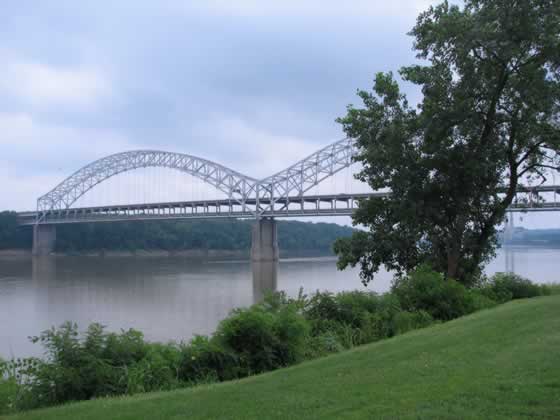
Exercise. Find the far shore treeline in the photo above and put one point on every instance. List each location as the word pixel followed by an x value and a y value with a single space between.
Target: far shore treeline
pixel 172 235
pixel 232 235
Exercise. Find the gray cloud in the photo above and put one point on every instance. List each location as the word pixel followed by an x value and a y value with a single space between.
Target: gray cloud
pixel 255 85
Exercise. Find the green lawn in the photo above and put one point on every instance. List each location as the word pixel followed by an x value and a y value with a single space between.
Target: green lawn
pixel 502 363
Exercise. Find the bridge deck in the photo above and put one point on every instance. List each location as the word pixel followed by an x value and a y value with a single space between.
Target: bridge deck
pixel 306 206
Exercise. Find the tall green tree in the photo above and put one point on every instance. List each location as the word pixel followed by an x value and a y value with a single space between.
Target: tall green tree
pixel 488 122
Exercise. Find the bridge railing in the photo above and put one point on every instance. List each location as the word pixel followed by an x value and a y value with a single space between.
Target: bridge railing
pixel 296 206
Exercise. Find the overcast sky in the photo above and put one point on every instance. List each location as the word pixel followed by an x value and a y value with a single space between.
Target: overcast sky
pixel 255 85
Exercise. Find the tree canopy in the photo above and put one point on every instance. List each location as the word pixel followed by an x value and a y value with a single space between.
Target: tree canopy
pixel 488 122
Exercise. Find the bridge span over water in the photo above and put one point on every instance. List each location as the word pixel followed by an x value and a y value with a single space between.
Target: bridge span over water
pixel 284 194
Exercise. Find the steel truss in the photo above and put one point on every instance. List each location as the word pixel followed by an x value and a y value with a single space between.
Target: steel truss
pixel 236 185
pixel 295 180
pixel 307 173
pixel 256 198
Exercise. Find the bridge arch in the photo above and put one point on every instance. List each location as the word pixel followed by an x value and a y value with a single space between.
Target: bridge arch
pixel 300 177
pixel 236 185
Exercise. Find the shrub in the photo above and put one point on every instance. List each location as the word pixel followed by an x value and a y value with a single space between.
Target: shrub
pixel 264 339
pixel 322 344
pixel 550 289
pixel 354 318
pixel 408 321
pixel 205 360
pixel 354 305
pixel 346 308
pixel 158 369
pixel 95 365
pixel 426 290
pixel 480 300
pixel 503 287
pixel 278 332
pixel 8 388
pixel 322 306
pixel 388 309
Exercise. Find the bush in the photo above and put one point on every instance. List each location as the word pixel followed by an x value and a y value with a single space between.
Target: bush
pixel 278 332
pixel 263 338
pixel 355 318
pixel 204 360
pixel 480 300
pixel 426 290
pixel 503 287
pixel 95 365
pixel 322 345
pixel 385 316
pixel 8 388
pixel 408 321
pixel 352 317
pixel 550 289
pixel 346 307
pixel 158 369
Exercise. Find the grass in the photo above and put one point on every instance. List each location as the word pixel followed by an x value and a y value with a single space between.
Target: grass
pixel 502 363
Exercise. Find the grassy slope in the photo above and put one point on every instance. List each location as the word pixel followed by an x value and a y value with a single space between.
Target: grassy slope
pixel 500 364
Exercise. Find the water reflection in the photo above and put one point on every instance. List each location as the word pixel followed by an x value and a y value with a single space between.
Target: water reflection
pixel 166 299
pixel 510 259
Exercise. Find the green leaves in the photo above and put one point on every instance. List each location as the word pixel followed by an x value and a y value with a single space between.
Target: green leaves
pixel 489 121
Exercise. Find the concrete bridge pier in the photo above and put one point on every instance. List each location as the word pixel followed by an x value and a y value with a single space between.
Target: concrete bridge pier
pixel 44 239
pixel 264 245
pixel 508 233
pixel 265 279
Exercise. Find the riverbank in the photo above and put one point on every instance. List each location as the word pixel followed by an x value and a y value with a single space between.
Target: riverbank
pixel 187 253
pixel 242 254
pixel 15 253
pixel 498 363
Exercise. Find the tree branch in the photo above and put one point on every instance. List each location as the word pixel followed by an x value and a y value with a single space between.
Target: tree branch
pixel 531 150
pixel 541 165
pixel 491 113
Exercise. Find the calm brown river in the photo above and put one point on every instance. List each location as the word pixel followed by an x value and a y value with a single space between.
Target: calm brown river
pixel 174 298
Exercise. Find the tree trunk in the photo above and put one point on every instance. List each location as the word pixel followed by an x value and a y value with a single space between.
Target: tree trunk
pixel 452 264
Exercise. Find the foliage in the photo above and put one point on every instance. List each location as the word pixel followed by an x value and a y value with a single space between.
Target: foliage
pixel 348 316
pixel 264 339
pixel 499 364
pixel 488 122
pixel 408 321
pixel 278 332
pixel 95 365
pixel 8 388
pixel 172 235
pixel 479 299
pixel 158 369
pixel 322 344
pixel 205 360
pixel 503 287
pixel 12 237
pixel 356 318
pixel 551 289
pixel 426 290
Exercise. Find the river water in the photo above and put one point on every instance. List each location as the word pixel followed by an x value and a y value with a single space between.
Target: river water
pixel 173 298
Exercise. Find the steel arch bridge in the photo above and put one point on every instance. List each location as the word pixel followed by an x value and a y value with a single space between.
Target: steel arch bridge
pixel 246 196
pixel 295 180
pixel 284 194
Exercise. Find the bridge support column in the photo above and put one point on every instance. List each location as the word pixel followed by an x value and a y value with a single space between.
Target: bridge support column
pixel 265 279
pixel 508 234
pixel 264 245
pixel 44 239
